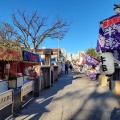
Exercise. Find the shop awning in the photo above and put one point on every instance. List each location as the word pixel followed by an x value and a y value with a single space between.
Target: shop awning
pixel 10 54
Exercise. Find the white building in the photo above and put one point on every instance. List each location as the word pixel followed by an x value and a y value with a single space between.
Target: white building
pixel 75 56
pixel 80 54
pixel 69 56
pixel 63 51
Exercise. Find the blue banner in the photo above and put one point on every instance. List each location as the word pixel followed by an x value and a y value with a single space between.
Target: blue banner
pixel 31 57
pixel 43 60
pixel 53 60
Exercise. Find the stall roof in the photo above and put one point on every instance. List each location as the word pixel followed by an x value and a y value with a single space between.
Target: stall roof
pixel 48 52
pixel 10 54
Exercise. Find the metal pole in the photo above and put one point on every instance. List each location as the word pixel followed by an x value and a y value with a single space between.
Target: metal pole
pixel 58 48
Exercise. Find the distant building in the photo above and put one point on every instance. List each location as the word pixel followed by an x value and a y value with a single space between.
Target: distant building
pixel 63 51
pixel 80 54
pixel 68 56
pixel 75 57
pixel 57 53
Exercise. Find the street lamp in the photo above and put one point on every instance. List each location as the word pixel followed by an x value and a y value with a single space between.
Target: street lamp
pixel 117 8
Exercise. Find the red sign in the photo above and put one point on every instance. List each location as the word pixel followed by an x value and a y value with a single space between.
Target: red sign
pixel 111 21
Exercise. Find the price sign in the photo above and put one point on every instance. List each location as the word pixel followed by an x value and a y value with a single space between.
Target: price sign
pixel 8 66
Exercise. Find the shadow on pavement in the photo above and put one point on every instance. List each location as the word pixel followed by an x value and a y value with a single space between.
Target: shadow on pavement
pixel 75 73
pixel 75 78
pixel 95 112
pixel 45 98
pixel 115 115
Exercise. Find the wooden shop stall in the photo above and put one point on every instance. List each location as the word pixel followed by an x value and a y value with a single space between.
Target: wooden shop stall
pixel 29 67
pixel 54 70
pixel 45 70
pixel 30 60
pixel 9 58
pixel 25 94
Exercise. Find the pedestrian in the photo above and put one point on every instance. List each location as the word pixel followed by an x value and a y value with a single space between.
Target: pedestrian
pixel 71 67
pixel 81 67
pixel 66 68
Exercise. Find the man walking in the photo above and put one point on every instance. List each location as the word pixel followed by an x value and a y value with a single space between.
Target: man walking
pixel 66 68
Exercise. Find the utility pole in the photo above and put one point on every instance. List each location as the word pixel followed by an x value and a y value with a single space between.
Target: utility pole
pixel 58 48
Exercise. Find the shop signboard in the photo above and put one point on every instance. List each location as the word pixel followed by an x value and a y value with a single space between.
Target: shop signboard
pixel 6 105
pixel 26 88
pixel 10 54
pixel 42 59
pixel 109 37
pixel 109 34
pixel 31 57
pixel 53 60
pixel 25 91
pixel 8 66
pixel 6 98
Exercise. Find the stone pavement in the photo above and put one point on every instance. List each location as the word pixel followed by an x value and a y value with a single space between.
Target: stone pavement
pixel 73 98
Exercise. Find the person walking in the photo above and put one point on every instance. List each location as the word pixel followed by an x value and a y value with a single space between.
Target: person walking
pixel 81 67
pixel 66 68
pixel 71 67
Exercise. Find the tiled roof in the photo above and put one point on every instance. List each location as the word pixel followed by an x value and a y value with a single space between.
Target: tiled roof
pixel 39 50
pixel 42 49
pixel 48 51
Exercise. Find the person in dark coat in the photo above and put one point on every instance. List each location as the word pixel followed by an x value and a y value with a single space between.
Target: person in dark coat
pixel 71 67
pixel 66 68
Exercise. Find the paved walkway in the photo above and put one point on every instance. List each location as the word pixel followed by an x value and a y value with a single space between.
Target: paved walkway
pixel 73 98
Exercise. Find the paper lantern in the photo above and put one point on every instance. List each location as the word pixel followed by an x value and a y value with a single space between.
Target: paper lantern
pixel 107 61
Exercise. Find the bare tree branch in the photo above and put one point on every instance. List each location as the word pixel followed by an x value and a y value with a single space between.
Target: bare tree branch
pixel 6 31
pixel 31 28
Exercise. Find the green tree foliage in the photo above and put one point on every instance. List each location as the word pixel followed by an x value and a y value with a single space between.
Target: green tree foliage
pixel 92 52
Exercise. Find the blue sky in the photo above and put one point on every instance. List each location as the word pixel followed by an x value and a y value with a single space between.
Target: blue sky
pixel 85 14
